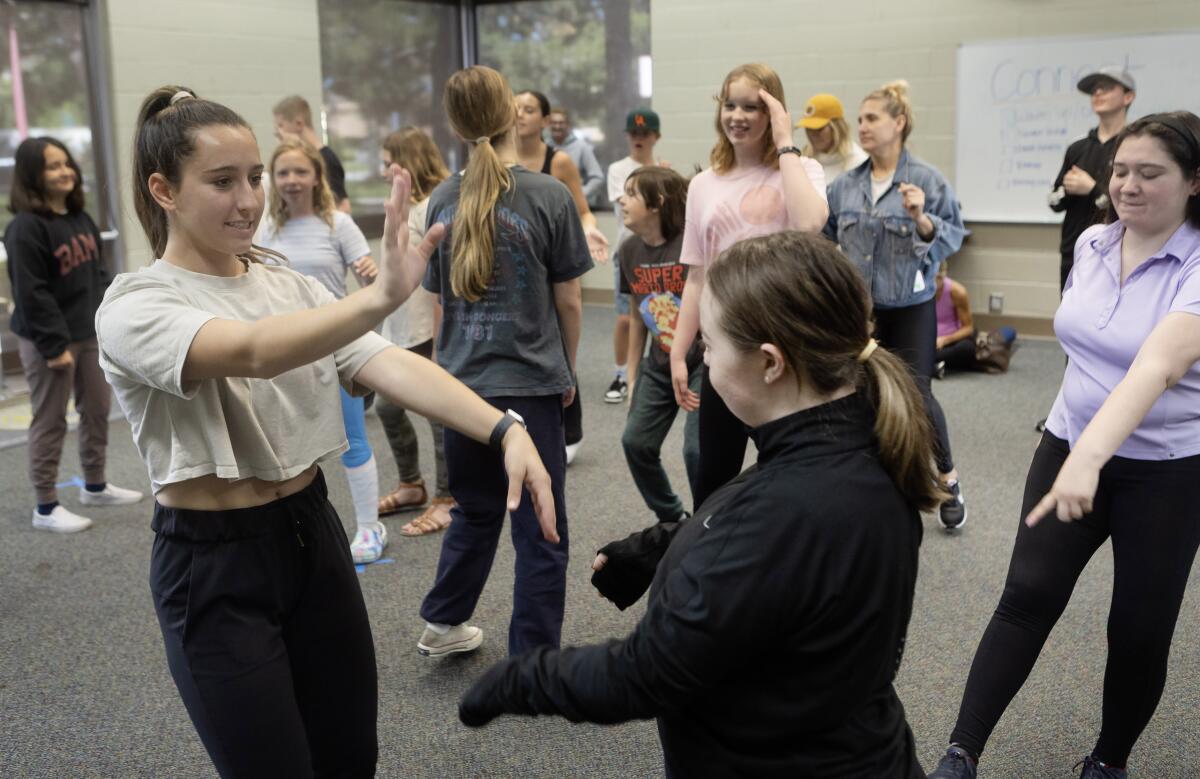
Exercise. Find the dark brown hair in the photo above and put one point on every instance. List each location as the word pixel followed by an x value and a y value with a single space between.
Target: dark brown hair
pixel 1179 133
pixel 666 190
pixel 29 186
pixel 166 127
pixel 801 294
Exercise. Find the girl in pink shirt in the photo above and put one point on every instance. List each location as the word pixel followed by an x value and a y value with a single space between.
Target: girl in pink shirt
pixel 758 184
pixel 1119 457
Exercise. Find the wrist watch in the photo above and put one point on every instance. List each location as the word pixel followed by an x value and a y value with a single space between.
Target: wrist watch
pixel 790 150
pixel 509 419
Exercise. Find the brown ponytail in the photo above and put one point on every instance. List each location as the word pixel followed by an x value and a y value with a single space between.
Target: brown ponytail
pixel 162 142
pixel 479 104
pixel 801 294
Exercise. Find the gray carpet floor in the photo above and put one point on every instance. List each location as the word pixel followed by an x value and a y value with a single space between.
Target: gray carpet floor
pixel 84 688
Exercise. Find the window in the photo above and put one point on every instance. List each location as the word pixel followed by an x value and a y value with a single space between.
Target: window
pixel 589 56
pixel 49 93
pixel 383 64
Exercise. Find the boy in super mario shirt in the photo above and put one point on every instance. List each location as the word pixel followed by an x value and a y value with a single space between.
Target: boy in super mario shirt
pixel 653 208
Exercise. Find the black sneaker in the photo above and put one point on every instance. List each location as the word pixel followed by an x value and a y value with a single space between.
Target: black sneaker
pixel 955 764
pixel 616 391
pixel 1094 769
pixel 953 513
pixel 939 370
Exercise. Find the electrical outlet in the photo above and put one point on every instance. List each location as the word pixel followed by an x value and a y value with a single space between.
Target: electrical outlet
pixel 996 303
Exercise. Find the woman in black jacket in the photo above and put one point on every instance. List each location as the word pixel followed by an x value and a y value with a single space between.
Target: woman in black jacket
pixel 777 615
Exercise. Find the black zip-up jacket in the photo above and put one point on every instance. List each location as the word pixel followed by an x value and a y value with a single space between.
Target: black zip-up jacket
pixel 1081 210
pixel 775 624
pixel 58 278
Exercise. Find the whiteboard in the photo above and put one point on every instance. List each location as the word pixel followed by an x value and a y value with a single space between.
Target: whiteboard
pixel 1018 110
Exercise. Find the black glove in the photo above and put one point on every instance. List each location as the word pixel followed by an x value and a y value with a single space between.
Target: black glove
pixel 632 563
pixel 484 701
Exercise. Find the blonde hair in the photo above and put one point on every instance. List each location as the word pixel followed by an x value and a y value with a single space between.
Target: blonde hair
pixel 322 196
pixel 894 96
pixel 481 108
pixel 800 293
pixel 841 140
pixel 764 77
pixel 416 152
pixel 294 107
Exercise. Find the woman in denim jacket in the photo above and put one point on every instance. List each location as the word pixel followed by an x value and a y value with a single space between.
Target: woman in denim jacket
pixel 897 219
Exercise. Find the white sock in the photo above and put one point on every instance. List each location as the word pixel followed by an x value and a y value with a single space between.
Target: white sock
pixel 621 373
pixel 364 490
pixel 438 628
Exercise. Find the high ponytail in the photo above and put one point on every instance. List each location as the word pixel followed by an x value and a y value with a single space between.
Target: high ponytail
pixel 166 126
pixel 479 105
pixel 801 294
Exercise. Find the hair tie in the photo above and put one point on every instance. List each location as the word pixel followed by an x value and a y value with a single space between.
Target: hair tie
pixel 482 139
pixel 868 350
pixel 182 94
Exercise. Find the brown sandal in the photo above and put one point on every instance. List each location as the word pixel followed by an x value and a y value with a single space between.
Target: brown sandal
pixel 432 520
pixel 394 501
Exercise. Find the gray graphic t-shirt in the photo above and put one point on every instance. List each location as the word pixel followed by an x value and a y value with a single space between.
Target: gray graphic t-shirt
pixel 508 343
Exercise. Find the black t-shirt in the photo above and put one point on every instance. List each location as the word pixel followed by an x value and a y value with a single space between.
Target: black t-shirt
pixel 335 174
pixel 654 277
pixel 1081 210
pixel 58 278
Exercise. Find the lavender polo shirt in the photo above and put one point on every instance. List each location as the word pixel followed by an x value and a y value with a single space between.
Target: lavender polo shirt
pixel 1102 324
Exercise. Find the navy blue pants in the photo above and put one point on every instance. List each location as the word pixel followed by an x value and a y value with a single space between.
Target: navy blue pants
pixel 480 487
pixel 267 636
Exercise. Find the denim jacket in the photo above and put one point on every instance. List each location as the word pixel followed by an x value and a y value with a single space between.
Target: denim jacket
pixel 881 238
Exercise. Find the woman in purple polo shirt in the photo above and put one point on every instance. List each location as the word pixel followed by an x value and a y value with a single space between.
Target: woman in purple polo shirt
pixel 1120 456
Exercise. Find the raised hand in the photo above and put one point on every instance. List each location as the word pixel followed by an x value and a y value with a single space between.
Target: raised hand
pixel 401 267
pixel 781 120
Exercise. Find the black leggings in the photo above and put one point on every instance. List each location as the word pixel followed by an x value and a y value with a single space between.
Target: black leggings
pixel 267 636
pixel 1151 510
pixel 910 333
pixel 723 440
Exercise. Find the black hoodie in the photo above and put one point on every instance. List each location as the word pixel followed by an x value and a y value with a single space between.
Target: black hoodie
pixel 58 278
pixel 775 625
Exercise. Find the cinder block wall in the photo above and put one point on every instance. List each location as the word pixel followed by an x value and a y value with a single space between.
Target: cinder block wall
pixel 850 47
pixel 244 53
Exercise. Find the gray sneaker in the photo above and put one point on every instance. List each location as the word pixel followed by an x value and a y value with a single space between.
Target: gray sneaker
pixel 955 764
pixel 460 638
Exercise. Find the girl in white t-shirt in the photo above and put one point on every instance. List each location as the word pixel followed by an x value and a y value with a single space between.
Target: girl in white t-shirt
pixel 758 184
pixel 227 370
pixel 413 326
pixel 304 224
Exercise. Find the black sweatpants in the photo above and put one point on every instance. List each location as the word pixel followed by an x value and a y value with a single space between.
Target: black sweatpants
pixel 267 636
pixel 1151 510
pixel 723 439
pixel 910 333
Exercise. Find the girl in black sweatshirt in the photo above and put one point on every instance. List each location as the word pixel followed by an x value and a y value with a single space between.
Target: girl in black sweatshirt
pixel 58 278
pixel 777 614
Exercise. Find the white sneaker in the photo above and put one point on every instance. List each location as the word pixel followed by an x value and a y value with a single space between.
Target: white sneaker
pixel 460 638
pixel 572 450
pixel 369 543
pixel 111 495
pixel 60 521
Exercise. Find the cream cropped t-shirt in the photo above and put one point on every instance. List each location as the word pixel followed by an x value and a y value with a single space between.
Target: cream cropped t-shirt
pixel 234 428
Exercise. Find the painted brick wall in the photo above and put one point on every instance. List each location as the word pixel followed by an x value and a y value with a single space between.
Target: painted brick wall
pixel 849 48
pixel 246 54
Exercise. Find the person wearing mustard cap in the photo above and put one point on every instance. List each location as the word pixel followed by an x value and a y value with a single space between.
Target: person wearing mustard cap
pixel 829 141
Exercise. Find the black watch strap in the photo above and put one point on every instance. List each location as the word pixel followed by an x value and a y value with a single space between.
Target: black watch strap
pixel 790 150
pixel 509 419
